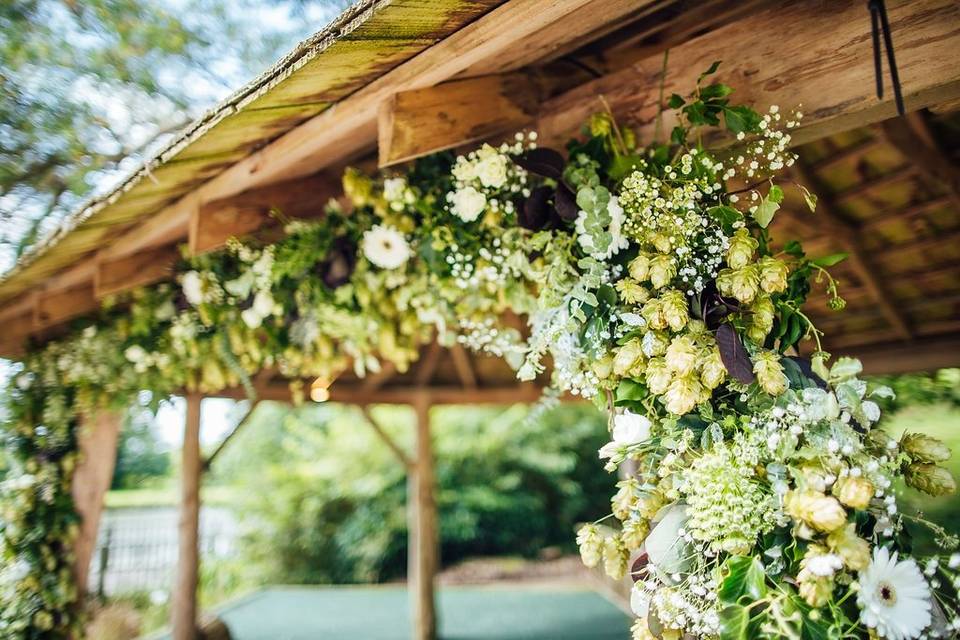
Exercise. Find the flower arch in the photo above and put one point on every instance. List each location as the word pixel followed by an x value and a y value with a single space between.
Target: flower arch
pixel 649 280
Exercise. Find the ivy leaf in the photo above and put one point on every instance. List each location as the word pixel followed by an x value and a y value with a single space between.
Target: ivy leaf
pixel 678 136
pixel 542 161
pixel 734 354
pixel 676 101
pixel 776 194
pixel 830 260
pixel 724 214
pixel 741 118
pixel 735 623
pixel 629 393
pixel 744 580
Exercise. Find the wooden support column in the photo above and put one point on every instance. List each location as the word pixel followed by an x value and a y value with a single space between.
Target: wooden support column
pixel 91 480
pixel 424 545
pixel 188 560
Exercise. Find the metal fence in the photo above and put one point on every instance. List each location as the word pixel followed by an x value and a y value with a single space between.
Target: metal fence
pixel 137 548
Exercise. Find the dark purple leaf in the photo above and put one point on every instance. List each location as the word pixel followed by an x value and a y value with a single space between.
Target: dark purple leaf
pixel 543 162
pixel 638 569
pixel 536 211
pixel 566 203
pixel 337 267
pixel 734 354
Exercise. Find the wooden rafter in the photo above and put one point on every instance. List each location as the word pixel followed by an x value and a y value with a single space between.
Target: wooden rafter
pixel 855 151
pixel 913 138
pixel 903 214
pixel 428 364
pixel 864 187
pixel 461 362
pixel 397 450
pixel 123 273
pixel 848 235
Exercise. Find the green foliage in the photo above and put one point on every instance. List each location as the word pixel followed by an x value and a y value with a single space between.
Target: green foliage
pixel 141 456
pixel 326 500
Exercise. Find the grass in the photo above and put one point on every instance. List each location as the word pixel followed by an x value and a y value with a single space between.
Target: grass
pixel 166 497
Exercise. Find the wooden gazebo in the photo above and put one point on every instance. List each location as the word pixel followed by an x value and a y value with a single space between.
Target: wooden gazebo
pixel 391 80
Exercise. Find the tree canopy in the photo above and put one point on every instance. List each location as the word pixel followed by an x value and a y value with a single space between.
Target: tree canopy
pixel 86 88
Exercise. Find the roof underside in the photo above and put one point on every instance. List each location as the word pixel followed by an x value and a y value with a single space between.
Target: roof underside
pixel 889 191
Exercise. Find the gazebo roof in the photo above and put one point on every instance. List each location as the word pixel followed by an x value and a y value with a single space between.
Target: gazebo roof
pixel 889 189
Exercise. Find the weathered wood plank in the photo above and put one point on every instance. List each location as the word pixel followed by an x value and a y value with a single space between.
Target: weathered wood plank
pixel 216 221
pixel 116 275
pixel 803 53
pixel 415 123
pixel 55 307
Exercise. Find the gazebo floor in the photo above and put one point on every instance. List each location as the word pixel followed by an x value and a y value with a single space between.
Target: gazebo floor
pixel 466 613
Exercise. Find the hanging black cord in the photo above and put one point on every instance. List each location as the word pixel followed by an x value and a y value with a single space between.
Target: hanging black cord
pixel 879 22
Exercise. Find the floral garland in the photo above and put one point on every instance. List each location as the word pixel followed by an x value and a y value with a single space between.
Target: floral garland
pixel 757 494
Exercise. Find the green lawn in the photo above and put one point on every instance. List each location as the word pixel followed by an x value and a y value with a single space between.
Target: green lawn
pixel 165 497
pixel 381 613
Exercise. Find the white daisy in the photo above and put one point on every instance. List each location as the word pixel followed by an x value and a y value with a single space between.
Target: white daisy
pixel 894 598
pixel 385 247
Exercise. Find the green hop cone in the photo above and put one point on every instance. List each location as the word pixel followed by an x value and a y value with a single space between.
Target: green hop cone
pixel 930 479
pixel 924 448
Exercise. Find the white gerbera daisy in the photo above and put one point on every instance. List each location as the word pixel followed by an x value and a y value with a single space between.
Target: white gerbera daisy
pixel 894 598
pixel 385 247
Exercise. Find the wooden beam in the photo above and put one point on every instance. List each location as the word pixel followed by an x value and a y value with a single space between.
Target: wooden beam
pixel 116 275
pixel 16 330
pixel 912 137
pixel 461 362
pixel 424 545
pixel 520 393
pixel 858 258
pixel 922 355
pixel 421 121
pixel 99 435
pixel 428 364
pixel 56 307
pixel 214 222
pixel 184 610
pixel 397 450
pixel 768 58
pixel 903 214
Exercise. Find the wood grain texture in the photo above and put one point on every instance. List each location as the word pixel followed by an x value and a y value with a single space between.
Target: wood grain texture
pixel 422 121
pixel 116 275
pixel 805 53
pixel 214 222
pixel 184 606
pixel 56 307
pixel 91 480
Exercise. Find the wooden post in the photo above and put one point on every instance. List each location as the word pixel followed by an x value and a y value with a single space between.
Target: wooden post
pixel 91 480
pixel 188 561
pixel 424 545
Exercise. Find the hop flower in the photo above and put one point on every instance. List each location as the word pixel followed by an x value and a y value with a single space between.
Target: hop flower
pixel 635 531
pixel 770 374
pixel 639 267
pixel 773 274
pixel 623 500
pixel 713 372
pixel 632 292
pixel 663 269
pixel 931 479
pixel 590 542
pixel 743 284
pixel 855 492
pixel 761 319
pixel 681 356
pixel 924 448
pixel 742 246
pixel 616 557
pixel 823 513
pixel 657 376
pixel 628 357
pixel 854 550
pixel 682 395
pixel 673 308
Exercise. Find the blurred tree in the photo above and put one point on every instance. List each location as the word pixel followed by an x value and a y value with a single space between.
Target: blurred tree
pixel 917 389
pixel 85 84
pixel 141 455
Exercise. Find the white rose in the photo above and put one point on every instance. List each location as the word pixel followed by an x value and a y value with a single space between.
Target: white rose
pixel 468 203
pixel 492 170
pixel 631 428
pixel 192 285
pixel 464 170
